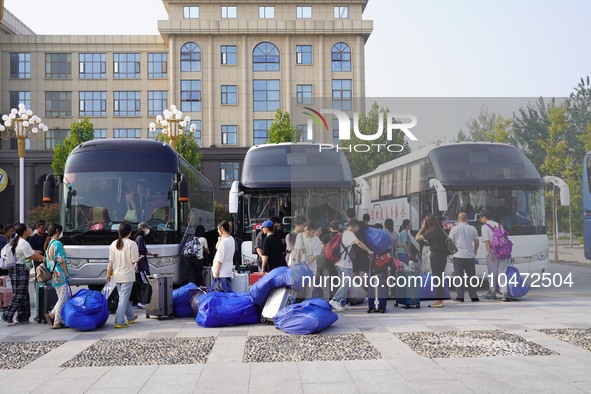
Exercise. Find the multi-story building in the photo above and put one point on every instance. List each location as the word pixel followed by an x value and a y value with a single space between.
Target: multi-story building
pixel 229 66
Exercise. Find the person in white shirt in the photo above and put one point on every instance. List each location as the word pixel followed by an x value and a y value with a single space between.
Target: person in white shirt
pixel 123 261
pixel 494 266
pixel 345 266
pixel 223 260
pixel 465 237
pixel 307 249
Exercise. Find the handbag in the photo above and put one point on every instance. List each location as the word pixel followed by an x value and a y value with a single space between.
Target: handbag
pixel 42 274
pixel 449 244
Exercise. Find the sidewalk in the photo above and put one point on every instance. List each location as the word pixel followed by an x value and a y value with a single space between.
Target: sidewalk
pixel 481 347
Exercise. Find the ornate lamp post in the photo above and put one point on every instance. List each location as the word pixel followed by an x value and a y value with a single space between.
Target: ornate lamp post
pixel 172 124
pixel 17 125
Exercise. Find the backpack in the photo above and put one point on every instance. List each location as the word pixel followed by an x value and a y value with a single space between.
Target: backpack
pixel 332 250
pixel 7 258
pixel 500 244
pixel 192 247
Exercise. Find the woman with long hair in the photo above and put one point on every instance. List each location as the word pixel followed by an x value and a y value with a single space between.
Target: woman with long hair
pixel 123 259
pixel 143 267
pixel 56 262
pixel 432 232
pixel 19 276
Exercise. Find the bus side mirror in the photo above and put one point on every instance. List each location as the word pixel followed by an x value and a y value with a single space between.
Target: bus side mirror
pixel 183 189
pixel 48 186
pixel 233 198
pixel 441 194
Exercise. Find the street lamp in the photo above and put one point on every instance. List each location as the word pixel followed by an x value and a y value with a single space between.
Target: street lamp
pixel 16 125
pixel 172 124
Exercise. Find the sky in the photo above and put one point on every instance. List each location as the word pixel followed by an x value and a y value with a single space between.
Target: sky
pixel 426 48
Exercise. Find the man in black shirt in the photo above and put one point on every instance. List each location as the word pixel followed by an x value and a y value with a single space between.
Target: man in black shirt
pixel 37 240
pixel 273 249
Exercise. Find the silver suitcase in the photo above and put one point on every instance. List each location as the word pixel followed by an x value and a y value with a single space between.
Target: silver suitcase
pixel 207 276
pixel 240 282
pixel 278 299
pixel 161 302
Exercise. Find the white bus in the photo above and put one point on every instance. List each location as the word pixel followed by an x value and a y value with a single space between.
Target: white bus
pixel 447 179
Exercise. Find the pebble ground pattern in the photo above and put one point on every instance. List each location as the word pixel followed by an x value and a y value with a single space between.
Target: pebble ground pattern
pixel 15 355
pixel 580 337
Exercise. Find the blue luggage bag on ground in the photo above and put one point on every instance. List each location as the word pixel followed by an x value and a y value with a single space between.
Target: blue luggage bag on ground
pixel 309 317
pixel 407 289
pixel 516 287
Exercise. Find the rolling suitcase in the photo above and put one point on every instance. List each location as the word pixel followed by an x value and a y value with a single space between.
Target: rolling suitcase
pixel 377 291
pixel 47 299
pixel 207 276
pixel 408 289
pixel 161 303
pixel 278 299
pixel 255 276
pixel 240 282
pixel 5 296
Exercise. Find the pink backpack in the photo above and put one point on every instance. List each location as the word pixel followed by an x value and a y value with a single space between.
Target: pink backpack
pixel 500 245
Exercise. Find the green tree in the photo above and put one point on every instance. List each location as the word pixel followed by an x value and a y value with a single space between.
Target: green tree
pixel 530 125
pixel 479 129
pixel 187 147
pixel 80 131
pixel 362 163
pixel 281 129
pixel 501 130
pixel 462 136
pixel 220 211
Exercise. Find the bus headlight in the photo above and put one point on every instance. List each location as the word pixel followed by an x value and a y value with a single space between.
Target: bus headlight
pixel 160 262
pixel 540 256
pixel 76 263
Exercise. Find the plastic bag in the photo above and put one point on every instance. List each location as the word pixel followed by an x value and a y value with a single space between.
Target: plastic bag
pixel 308 317
pixel 85 311
pixel 181 300
pixel 194 298
pixel 219 309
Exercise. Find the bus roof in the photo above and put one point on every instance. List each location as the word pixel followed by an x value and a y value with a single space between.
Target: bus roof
pixel 294 165
pixel 124 154
pixel 451 159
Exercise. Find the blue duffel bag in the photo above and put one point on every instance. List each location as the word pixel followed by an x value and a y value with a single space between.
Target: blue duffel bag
pixel 516 286
pixel 377 240
pixel 85 311
pixel 308 317
pixel 291 277
pixel 220 309
pixel 181 300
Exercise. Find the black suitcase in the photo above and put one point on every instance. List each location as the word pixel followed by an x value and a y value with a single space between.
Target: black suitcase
pixel 47 297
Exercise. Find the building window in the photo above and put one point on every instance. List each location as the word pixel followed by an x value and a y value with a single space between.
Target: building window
pixel 92 65
pixel 266 12
pixel 265 57
pixel 152 135
pixel 54 137
pixel 157 102
pixel 126 103
pixel 229 135
pixel 304 12
pixel 126 65
pixel 191 95
pixel 93 104
pixel 304 94
pixel 157 65
pixel 266 97
pixel 229 94
pixel 58 65
pixel 341 57
pixel 341 12
pixel 229 12
pixel 100 134
pixel 127 133
pixel 228 172
pixel 303 54
pixel 190 12
pixel 17 98
pixel 197 133
pixel 228 54
pixel 261 130
pixel 303 133
pixel 20 65
pixel 342 94
pixel 190 57
pixel 58 103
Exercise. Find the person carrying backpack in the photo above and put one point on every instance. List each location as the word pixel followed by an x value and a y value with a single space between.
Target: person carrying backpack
pixel 497 260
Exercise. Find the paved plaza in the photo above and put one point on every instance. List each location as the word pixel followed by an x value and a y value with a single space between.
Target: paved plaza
pixel 541 343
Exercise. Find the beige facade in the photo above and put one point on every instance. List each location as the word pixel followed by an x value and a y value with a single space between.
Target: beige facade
pixel 121 87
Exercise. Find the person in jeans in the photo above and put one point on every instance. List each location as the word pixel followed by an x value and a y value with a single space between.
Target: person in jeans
pixel 345 266
pixel 123 260
pixel 19 276
pixel 495 267
pixel 465 237
pixel 223 260
pixel 56 261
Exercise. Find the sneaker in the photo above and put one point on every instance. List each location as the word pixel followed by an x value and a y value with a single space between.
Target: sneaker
pixel 336 305
pixel 346 307
pixel 22 322
pixel 141 306
pixel 131 321
pixel 121 325
pixel 6 322
pixel 136 306
pixel 504 299
pixel 490 295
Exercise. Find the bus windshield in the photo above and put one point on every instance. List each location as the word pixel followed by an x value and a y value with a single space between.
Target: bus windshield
pixel 520 210
pixel 99 201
